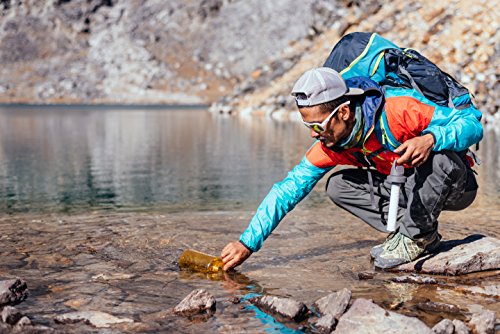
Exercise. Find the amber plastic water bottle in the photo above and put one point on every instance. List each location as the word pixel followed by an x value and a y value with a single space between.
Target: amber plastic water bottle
pixel 197 261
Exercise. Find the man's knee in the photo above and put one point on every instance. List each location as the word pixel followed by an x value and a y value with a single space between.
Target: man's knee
pixel 343 184
pixel 336 187
pixel 449 162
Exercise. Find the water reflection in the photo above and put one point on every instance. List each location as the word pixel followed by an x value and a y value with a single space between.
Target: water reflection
pixel 81 159
pixel 75 159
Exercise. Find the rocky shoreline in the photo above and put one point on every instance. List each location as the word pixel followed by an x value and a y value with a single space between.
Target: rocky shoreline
pixel 337 311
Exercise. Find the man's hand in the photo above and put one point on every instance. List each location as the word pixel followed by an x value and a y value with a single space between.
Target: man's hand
pixel 234 254
pixel 416 150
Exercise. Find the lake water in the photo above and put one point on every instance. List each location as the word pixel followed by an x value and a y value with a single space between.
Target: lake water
pixel 99 203
pixel 83 159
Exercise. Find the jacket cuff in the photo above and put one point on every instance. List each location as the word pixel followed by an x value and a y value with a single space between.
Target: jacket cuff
pixel 241 242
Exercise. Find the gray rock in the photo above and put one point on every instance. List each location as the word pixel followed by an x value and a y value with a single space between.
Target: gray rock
pixel 415 279
pixel 13 291
pixel 285 307
pixel 326 324
pixel 198 301
pixel 474 253
pixel 438 307
pixel 366 317
pixel 460 327
pixel 94 318
pixel 10 315
pixel 483 323
pixel 334 304
pixel 445 326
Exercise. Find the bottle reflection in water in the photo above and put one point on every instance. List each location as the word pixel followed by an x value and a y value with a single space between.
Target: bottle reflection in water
pixel 197 261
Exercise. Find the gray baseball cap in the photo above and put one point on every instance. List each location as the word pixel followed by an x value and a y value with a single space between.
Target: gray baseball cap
pixel 321 85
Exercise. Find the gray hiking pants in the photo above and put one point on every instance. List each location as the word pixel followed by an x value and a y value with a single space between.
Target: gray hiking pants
pixel 443 182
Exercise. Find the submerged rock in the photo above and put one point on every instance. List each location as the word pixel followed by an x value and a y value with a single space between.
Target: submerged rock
pixel 13 291
pixel 457 257
pixel 488 290
pixel 334 304
pixel 445 326
pixel 285 307
pixel 95 318
pixel 366 317
pixel 483 323
pixel 415 279
pixel 438 307
pixel 198 301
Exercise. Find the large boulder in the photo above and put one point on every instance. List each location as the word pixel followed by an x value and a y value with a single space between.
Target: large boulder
pixel 457 257
pixel 366 317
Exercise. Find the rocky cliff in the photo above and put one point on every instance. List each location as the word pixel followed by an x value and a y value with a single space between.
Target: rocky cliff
pixel 156 51
pixel 245 54
pixel 461 37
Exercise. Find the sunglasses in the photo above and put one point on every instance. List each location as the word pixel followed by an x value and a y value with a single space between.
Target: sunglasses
pixel 321 127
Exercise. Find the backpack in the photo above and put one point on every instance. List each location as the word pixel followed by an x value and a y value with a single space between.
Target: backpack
pixel 370 55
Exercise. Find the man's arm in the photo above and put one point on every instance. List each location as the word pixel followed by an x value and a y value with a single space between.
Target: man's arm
pixel 455 129
pixel 411 115
pixel 280 200
pixel 422 126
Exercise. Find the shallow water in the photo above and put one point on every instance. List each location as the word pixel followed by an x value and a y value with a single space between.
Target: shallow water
pixel 100 204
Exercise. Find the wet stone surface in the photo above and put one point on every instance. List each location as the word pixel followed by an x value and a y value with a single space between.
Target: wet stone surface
pixel 94 318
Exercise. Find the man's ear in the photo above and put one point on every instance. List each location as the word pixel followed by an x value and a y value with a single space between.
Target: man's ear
pixel 344 112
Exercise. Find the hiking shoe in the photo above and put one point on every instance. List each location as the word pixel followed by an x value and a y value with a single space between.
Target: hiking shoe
pixel 377 250
pixel 402 249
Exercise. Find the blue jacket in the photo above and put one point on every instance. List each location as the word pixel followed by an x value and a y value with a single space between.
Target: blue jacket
pixel 389 121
